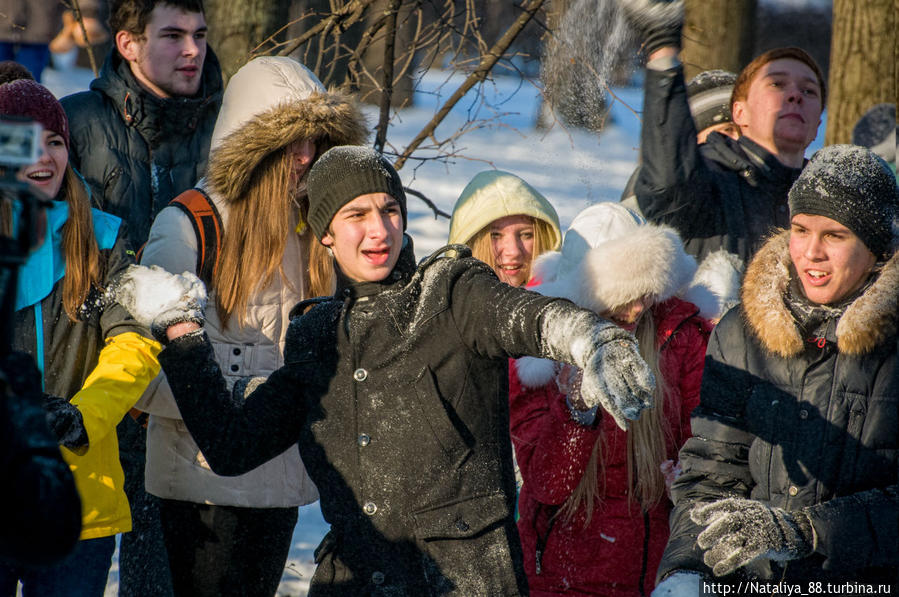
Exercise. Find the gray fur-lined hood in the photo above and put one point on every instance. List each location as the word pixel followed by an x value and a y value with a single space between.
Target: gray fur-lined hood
pixel 270 103
pixel 867 323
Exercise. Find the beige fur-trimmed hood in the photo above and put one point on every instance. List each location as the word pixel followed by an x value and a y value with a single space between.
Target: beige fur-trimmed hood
pixel 270 103
pixel 867 323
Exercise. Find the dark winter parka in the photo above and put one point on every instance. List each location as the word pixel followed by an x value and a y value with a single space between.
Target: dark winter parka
pixel 138 151
pixel 723 194
pixel 397 392
pixel 801 418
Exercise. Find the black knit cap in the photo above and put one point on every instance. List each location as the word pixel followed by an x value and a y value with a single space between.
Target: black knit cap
pixel 853 186
pixel 343 173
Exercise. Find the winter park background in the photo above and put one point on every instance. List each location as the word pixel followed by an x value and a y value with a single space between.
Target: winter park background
pixel 572 168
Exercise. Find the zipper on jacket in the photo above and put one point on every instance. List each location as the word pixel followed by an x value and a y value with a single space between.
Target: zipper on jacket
pixel 645 564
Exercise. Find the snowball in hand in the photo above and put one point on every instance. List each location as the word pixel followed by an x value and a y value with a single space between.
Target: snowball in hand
pixel 158 299
pixel 617 378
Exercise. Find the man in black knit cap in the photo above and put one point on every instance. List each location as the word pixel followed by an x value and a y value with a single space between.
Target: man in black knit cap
pixel 405 364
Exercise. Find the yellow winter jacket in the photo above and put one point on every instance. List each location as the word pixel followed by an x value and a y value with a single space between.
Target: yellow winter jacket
pixel 126 366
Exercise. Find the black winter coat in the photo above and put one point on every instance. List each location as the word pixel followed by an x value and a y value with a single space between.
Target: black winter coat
pixel 723 194
pixel 801 416
pixel 398 395
pixel 138 151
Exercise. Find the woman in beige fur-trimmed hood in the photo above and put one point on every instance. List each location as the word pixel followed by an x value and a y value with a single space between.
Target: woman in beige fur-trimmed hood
pixel 594 506
pixel 793 470
pixel 231 535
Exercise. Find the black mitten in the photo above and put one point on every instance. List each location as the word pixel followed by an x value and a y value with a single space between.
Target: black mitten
pixel 66 422
pixel 658 22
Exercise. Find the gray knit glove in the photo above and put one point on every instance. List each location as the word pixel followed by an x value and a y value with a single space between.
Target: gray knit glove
pixel 66 421
pixel 657 22
pixel 739 531
pixel 158 299
pixel 615 376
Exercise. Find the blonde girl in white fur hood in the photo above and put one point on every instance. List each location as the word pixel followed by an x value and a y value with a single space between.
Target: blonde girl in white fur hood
pixel 594 506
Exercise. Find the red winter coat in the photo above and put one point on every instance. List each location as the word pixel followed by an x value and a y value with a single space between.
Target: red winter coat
pixel 619 551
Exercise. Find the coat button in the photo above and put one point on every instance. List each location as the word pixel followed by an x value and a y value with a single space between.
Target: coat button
pixel 377 577
pixel 363 439
pixel 803 414
pixel 793 490
pixel 236 352
pixel 369 508
pixel 462 525
pixel 360 374
pixel 235 368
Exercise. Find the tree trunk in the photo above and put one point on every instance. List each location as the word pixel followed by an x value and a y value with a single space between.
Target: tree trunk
pixel 863 57
pixel 235 28
pixel 718 34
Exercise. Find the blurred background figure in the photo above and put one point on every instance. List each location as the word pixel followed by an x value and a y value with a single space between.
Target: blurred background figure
pixel 26 28
pixel 70 47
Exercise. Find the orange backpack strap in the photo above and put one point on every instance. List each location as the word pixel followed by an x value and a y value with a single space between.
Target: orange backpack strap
pixel 207 225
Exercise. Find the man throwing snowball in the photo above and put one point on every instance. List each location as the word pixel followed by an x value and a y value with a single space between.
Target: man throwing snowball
pixel 395 390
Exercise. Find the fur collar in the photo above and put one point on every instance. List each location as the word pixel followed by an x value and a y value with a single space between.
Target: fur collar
pixel 868 322
pixel 332 117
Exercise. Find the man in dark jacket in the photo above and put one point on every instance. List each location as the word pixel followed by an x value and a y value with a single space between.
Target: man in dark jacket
pixel 140 136
pixel 396 389
pixel 792 474
pixel 725 193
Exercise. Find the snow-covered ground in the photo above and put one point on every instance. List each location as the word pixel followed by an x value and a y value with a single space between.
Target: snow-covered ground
pixel 573 169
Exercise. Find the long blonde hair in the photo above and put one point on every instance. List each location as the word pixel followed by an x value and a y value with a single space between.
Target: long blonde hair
pixel 481 244
pixel 253 245
pixel 646 441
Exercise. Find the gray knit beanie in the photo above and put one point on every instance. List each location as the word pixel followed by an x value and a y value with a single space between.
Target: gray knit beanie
pixel 853 186
pixel 343 173
pixel 708 95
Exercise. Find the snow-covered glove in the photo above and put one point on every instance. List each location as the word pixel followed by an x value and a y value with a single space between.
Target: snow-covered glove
pixel 615 376
pixel 739 531
pixel 683 583
pixel 66 421
pixel 158 299
pixel 658 22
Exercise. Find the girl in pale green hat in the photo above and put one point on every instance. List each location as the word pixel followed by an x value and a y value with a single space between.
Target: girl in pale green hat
pixel 506 222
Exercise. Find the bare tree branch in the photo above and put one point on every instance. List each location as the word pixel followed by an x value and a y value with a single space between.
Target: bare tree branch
pixel 487 63
pixel 429 203
pixel 387 90
pixel 76 9
pixel 339 19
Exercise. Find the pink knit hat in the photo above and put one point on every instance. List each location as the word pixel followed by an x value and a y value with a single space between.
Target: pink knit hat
pixel 32 100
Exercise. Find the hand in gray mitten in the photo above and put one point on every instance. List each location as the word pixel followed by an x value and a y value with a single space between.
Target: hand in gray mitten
pixel 658 22
pixel 66 422
pixel 739 531
pixel 615 376
pixel 158 299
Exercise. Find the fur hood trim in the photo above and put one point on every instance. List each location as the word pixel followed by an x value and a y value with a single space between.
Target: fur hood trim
pixel 333 118
pixel 715 288
pixel 650 261
pixel 868 322
pixel 534 372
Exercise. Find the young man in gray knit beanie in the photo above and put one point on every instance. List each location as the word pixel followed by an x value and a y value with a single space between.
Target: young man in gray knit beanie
pixel 404 363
